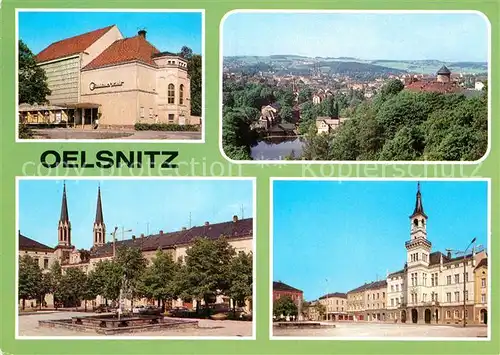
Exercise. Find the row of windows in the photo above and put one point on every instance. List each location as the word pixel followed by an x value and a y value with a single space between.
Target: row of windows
pixel 378 296
pixel 171 94
pixel 45 262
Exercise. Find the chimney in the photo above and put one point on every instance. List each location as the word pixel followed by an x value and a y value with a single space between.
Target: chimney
pixel 206 223
pixel 142 235
pixel 161 232
pixel 235 218
pixel 142 33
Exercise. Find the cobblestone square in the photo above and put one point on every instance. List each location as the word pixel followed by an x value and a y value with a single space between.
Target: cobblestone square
pixel 28 326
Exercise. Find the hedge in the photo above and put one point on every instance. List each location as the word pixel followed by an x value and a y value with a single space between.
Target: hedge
pixel 165 127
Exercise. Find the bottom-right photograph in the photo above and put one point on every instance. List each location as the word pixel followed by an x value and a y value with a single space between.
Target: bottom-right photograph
pixel 380 259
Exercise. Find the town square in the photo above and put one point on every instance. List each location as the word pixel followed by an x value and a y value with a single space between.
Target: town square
pixel 441 294
pixel 128 276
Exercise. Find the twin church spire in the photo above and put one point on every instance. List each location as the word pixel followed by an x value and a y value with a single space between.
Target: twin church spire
pixel 64 226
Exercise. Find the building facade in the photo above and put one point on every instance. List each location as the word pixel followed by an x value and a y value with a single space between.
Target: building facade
pixel 433 287
pixel 102 78
pixel 335 306
pixel 281 290
pixel 238 232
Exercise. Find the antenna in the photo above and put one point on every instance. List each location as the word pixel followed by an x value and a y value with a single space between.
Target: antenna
pixel 242 212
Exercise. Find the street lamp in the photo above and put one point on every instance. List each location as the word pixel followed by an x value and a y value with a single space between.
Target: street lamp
pixel 114 241
pixel 125 231
pixel 327 318
pixel 465 281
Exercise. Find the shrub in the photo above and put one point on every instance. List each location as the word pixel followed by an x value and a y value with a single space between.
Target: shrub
pixel 171 127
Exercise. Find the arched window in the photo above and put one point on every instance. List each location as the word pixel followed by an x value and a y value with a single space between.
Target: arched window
pixel 415 222
pixel 171 94
pixel 181 94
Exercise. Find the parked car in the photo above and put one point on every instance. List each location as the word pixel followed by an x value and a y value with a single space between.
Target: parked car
pixel 138 309
pixel 150 310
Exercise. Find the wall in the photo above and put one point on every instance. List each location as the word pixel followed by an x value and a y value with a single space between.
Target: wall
pixel 100 45
pixel 63 79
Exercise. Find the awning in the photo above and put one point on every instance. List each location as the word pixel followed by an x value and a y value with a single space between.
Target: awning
pixel 83 105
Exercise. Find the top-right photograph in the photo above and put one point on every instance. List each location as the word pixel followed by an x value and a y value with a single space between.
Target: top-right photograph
pixel 355 86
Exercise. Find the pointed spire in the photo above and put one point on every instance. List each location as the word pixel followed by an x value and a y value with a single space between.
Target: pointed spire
pixel 99 219
pixel 419 207
pixel 64 207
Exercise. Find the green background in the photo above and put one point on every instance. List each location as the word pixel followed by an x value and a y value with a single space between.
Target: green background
pixel 21 159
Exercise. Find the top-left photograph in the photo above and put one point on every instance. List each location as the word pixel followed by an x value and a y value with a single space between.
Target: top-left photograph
pixel 121 75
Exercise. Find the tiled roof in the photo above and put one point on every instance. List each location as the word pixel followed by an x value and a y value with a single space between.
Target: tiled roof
pixel 433 86
pixel 242 228
pixel 280 286
pixel 370 286
pixel 443 70
pixel 483 262
pixel 26 243
pixel 396 273
pixel 334 294
pixel 70 46
pixel 125 50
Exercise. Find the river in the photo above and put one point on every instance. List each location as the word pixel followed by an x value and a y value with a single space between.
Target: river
pixel 277 148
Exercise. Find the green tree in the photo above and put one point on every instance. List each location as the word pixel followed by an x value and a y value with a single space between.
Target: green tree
pixel 72 285
pixel 158 280
pixel 32 79
pixel 284 306
pixel 207 269
pixel 321 309
pixel 90 289
pixel 107 278
pixel 194 72
pixel 30 279
pixel 132 265
pixel 241 276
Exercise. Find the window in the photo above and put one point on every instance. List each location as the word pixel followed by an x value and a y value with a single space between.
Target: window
pixel 424 257
pixel 483 282
pixel 392 288
pixel 397 288
pixel 170 118
pixel 466 277
pixel 392 301
pixel 383 294
pixel 448 279
pixel 457 313
pixel 424 297
pixel 36 260
pixel 424 279
pixel 457 278
pixel 337 302
pixel 457 296
pixel 448 297
pixel 181 94
pixel 171 94
pixel 45 263
pixel 141 112
pixel 448 314
pixel 150 112
pixel 483 298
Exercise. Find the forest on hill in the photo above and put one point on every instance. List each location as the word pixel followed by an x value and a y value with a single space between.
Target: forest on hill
pixel 395 125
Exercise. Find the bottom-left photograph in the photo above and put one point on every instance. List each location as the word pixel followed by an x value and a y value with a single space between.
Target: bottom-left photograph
pixel 135 257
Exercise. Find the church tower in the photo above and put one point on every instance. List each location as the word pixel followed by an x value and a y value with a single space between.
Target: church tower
pixel 64 226
pixel 99 226
pixel 418 247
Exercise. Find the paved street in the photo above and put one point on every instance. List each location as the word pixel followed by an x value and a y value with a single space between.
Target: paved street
pixel 28 326
pixel 360 330
pixel 72 133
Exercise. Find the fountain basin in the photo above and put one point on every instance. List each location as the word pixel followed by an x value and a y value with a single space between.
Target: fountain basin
pixel 110 324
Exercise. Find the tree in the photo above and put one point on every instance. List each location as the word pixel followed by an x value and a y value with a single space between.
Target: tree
pixel 32 79
pixel 186 53
pixel 30 279
pixel 107 278
pixel 241 276
pixel 90 289
pixel 207 269
pixel 132 265
pixel 284 306
pixel 54 277
pixel 72 285
pixel 158 280
pixel 320 309
pixel 194 72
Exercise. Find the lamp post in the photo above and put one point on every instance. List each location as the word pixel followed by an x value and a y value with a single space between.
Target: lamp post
pixel 327 318
pixel 465 273
pixel 125 231
pixel 114 241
